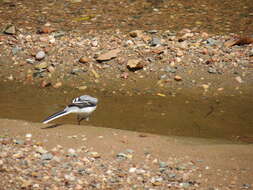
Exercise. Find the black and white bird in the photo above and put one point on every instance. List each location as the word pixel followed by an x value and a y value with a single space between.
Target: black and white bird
pixel 83 106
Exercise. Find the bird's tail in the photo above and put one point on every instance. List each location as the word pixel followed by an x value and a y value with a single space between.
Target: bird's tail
pixel 55 116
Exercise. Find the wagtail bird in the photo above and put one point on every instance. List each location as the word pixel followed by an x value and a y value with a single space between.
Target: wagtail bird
pixel 83 106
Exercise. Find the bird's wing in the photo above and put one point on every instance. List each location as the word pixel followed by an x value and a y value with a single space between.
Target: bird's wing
pixel 85 99
pixel 81 104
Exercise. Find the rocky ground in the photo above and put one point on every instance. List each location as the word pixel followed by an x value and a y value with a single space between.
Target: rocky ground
pixel 136 62
pixel 82 157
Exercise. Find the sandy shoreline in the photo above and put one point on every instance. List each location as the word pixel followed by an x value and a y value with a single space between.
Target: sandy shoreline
pixel 217 164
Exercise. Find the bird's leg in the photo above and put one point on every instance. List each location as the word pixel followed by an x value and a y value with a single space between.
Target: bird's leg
pixel 80 118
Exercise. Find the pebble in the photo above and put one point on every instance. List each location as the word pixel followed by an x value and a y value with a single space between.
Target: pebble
pixel 136 33
pixel 178 78
pixel 84 59
pixel 41 150
pixel 82 87
pixel 211 41
pixel 40 66
pixel 155 41
pixel 163 164
pixel 72 152
pixel 170 69
pixel 132 170
pixel 57 85
pixel 30 61
pixel 10 30
pixel 21 142
pixel 212 70
pixel 122 155
pixel 134 64
pixel 47 156
pixel 94 155
pixel 239 79
pixel 185 185
pixel 251 53
pixel 40 55
pixel 51 69
pixel 16 49
pixel 163 76
pixel 108 55
pixel 28 135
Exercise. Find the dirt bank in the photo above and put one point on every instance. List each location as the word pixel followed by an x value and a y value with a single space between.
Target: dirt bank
pixel 154 160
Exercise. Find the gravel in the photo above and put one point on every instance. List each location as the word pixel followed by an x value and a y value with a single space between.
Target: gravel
pixel 132 56
pixel 29 165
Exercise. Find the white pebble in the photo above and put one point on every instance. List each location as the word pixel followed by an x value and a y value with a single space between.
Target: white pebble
pixel 40 55
pixel 29 135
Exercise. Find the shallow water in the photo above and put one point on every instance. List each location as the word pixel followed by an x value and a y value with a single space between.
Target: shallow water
pixel 183 115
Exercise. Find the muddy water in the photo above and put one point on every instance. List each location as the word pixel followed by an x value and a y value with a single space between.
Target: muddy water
pixel 183 115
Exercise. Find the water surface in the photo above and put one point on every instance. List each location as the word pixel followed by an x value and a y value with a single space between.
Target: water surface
pixel 183 115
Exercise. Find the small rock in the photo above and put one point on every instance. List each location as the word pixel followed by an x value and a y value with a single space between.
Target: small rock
pixel 152 31
pixel 82 87
pixel 130 151
pixel 155 41
pixel 132 170
pixel 15 50
pixel 84 59
pixel 124 75
pixel 57 85
pixel 75 1
pixel 205 86
pixel 184 184
pixel 251 53
pixel 163 76
pixel 246 186
pixel 136 33
pixel 122 155
pixel 212 70
pixel 239 79
pixel 21 142
pixel 44 84
pixel 69 177
pixel 28 135
pixel 178 78
pixel 72 152
pixel 30 61
pixel 170 69
pixel 47 156
pixel 96 75
pixel 40 66
pixel 40 55
pixel 163 164
pixel 51 68
pixel 211 41
pixel 134 64
pixel 10 77
pixel 18 155
pixel 46 30
pixel 94 155
pixel 25 184
pixel 10 30
pixel 108 55
pixel 41 150
pixel 156 181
